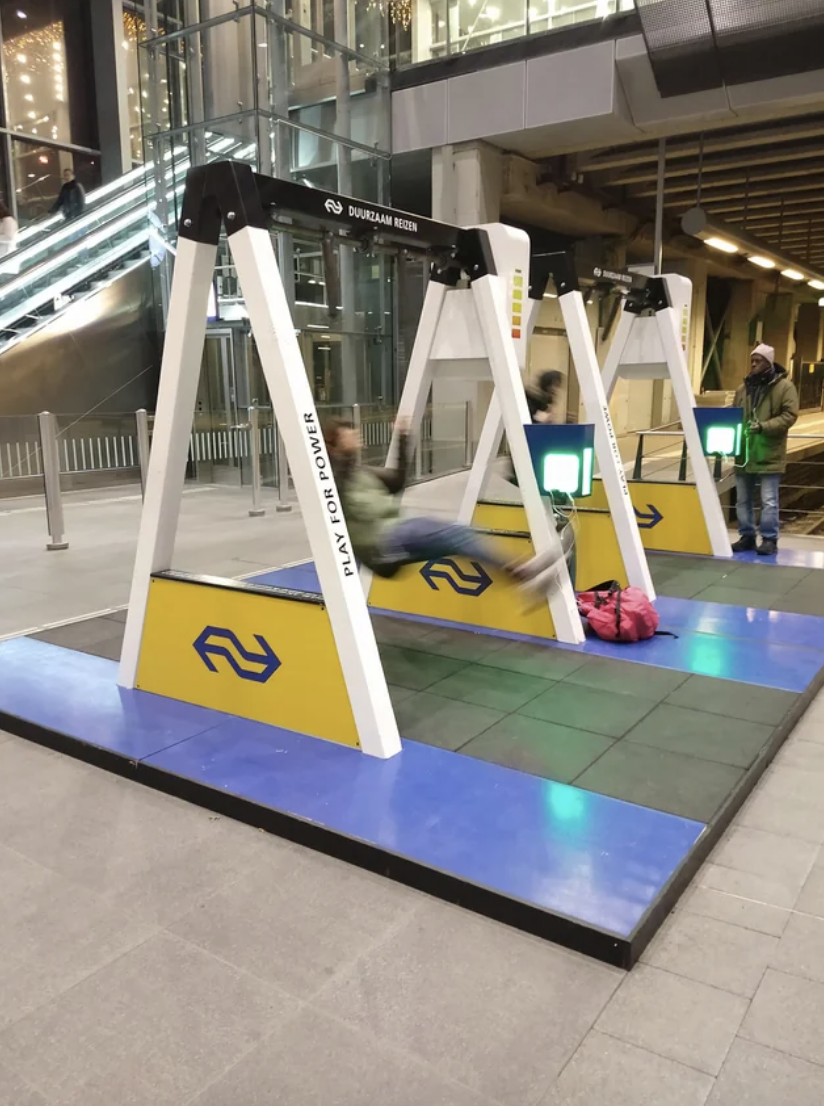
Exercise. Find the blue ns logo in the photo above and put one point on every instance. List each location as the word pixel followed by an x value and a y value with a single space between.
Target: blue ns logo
pixel 464 583
pixel 216 642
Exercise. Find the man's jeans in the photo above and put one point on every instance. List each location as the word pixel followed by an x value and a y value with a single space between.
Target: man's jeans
pixel 428 539
pixel 745 484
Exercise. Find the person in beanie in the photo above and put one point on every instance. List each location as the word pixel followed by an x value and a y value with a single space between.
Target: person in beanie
pixel 770 404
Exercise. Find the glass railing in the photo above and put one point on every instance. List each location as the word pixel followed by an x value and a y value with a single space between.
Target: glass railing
pixel 440 28
pixel 36 281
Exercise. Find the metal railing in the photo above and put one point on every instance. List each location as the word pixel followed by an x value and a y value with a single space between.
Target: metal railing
pixel 50 451
pixel 802 487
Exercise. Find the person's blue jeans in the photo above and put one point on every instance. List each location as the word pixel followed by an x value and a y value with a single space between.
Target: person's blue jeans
pixel 428 539
pixel 745 485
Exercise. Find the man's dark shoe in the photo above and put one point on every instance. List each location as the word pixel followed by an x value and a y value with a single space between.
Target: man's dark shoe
pixel 767 548
pixel 743 545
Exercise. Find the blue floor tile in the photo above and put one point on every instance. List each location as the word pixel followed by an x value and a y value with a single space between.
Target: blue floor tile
pixel 568 851
pixel 77 694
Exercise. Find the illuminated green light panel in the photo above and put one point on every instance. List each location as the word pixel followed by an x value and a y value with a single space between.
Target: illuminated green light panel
pixel 570 473
pixel 724 439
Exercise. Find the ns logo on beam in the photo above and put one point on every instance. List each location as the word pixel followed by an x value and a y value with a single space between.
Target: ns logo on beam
pixel 215 641
pixel 464 583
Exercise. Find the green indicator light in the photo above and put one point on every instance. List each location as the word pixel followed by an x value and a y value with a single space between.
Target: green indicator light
pixel 739 431
pixel 562 472
pixel 721 439
pixel 565 804
pixel 586 482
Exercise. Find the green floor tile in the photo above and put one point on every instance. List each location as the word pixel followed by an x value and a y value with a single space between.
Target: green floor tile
pixel 769 580
pixel 448 723
pixel 459 644
pixel 627 678
pixel 694 733
pixel 773 576
pixel 496 688
pixel 740 597
pixel 397 631
pixel 398 694
pixel 686 585
pixel 413 669
pixel 547 661
pixel 734 700
pixel 540 748
pixel 600 712
pixel 676 784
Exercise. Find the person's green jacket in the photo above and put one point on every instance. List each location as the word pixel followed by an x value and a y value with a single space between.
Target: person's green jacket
pixel 775 407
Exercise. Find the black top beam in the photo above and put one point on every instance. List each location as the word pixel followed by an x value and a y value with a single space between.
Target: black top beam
pixel 232 193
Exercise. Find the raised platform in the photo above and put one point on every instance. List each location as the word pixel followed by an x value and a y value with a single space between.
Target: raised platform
pixel 570 791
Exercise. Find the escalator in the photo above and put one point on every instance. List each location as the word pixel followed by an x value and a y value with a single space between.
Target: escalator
pixel 58 264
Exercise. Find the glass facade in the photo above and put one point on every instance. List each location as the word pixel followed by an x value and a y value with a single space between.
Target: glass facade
pixel 299 88
pixel 438 28
pixel 47 105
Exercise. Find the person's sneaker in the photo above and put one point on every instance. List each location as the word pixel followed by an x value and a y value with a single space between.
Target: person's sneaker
pixel 743 545
pixel 767 548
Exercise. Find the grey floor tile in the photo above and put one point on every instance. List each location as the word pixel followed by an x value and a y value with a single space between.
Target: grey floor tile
pixel 693 733
pixel 776 867
pixel 398 694
pixel 811 899
pixel 609 1072
pixel 808 756
pixel 756 1076
pixel 732 908
pixel 749 887
pixel 144 853
pixel 801 948
pixel 15 1091
pixel 787 802
pixel 810 727
pixel 503 1011
pixel 540 748
pixel 166 1016
pixel 674 1017
pixel 733 700
pixel 787 1014
pixel 447 723
pixel 598 711
pixel 709 951
pixel 314 1060
pixel 52 935
pixel 298 928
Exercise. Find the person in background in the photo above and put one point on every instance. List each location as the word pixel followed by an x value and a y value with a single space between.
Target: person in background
pixel 383 540
pixel 8 231
pixel 71 199
pixel 770 404
pixel 542 395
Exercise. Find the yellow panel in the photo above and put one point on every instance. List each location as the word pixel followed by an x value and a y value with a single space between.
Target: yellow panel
pixel 488 599
pixel 597 553
pixel 670 518
pixel 189 623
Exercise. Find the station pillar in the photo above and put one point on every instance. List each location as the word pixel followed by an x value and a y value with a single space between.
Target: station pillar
pixel 780 313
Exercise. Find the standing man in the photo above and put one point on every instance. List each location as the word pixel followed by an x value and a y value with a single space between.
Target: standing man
pixel 71 199
pixel 770 404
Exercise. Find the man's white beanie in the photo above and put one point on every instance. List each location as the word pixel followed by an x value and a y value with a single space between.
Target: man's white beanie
pixel 767 352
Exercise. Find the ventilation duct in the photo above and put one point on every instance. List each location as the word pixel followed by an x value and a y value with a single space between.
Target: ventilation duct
pixel 696 45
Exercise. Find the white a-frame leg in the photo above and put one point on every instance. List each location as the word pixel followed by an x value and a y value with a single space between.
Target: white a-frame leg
pixel 606 445
pixel 283 368
pixel 489 314
pixel 660 355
